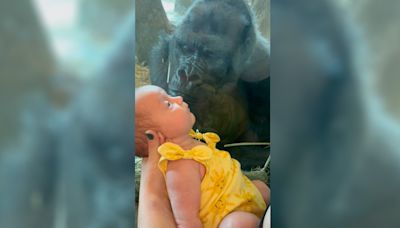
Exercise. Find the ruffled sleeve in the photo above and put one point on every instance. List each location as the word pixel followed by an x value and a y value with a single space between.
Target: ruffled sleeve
pixel 171 152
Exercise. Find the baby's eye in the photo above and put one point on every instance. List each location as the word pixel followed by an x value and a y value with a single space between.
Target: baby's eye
pixel 168 104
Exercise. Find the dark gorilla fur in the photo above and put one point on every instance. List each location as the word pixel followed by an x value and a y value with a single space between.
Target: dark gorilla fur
pixel 219 63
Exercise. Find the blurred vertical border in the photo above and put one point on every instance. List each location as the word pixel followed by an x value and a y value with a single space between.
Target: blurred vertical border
pixel 335 132
pixel 66 113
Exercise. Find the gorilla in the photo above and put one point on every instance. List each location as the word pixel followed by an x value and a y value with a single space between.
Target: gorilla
pixel 335 153
pixel 217 60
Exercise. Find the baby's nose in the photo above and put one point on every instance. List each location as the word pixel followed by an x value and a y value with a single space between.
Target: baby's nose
pixel 178 99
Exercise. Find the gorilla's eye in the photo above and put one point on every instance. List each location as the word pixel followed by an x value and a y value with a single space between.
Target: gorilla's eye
pixel 186 49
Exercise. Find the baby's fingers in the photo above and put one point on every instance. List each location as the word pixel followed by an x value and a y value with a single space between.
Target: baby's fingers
pixel 161 138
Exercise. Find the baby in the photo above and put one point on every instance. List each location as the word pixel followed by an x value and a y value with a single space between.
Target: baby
pixel 205 185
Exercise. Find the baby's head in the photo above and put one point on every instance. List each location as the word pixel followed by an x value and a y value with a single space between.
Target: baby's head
pixel 156 110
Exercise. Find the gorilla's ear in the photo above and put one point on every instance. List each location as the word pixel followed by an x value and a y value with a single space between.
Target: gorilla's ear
pixel 252 59
pixel 247 41
pixel 257 66
pixel 159 59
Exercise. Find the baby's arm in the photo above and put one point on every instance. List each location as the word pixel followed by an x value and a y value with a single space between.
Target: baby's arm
pixel 183 179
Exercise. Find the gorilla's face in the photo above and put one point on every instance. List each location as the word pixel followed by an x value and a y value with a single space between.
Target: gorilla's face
pixel 203 49
pixel 206 61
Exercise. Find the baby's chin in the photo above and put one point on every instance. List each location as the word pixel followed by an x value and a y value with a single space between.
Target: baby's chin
pixel 193 119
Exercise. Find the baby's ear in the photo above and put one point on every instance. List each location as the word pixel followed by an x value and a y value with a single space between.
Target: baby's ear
pixel 152 144
pixel 150 135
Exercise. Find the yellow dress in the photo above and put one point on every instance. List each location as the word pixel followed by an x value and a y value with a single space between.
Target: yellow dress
pixel 224 188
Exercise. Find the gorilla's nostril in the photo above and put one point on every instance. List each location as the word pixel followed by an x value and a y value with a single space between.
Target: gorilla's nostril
pixel 182 75
pixel 194 77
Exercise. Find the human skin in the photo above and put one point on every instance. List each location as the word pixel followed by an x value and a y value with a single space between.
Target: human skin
pixel 173 119
pixel 154 208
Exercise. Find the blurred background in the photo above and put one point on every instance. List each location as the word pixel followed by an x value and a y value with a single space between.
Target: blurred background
pixel 66 120
pixel 66 95
pixel 379 26
pixel 335 113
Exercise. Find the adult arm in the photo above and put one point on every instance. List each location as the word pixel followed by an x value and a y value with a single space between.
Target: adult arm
pixel 154 206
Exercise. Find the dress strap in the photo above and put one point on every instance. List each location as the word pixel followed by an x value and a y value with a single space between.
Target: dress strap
pixel 172 151
pixel 210 138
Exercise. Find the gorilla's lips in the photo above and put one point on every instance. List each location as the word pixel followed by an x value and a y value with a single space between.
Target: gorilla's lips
pixel 188 95
pixel 179 92
pixel 193 92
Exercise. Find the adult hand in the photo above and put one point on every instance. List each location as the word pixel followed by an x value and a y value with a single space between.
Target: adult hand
pixel 154 206
pixel 154 140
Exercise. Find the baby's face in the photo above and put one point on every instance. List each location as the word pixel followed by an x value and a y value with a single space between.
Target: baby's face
pixel 171 114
